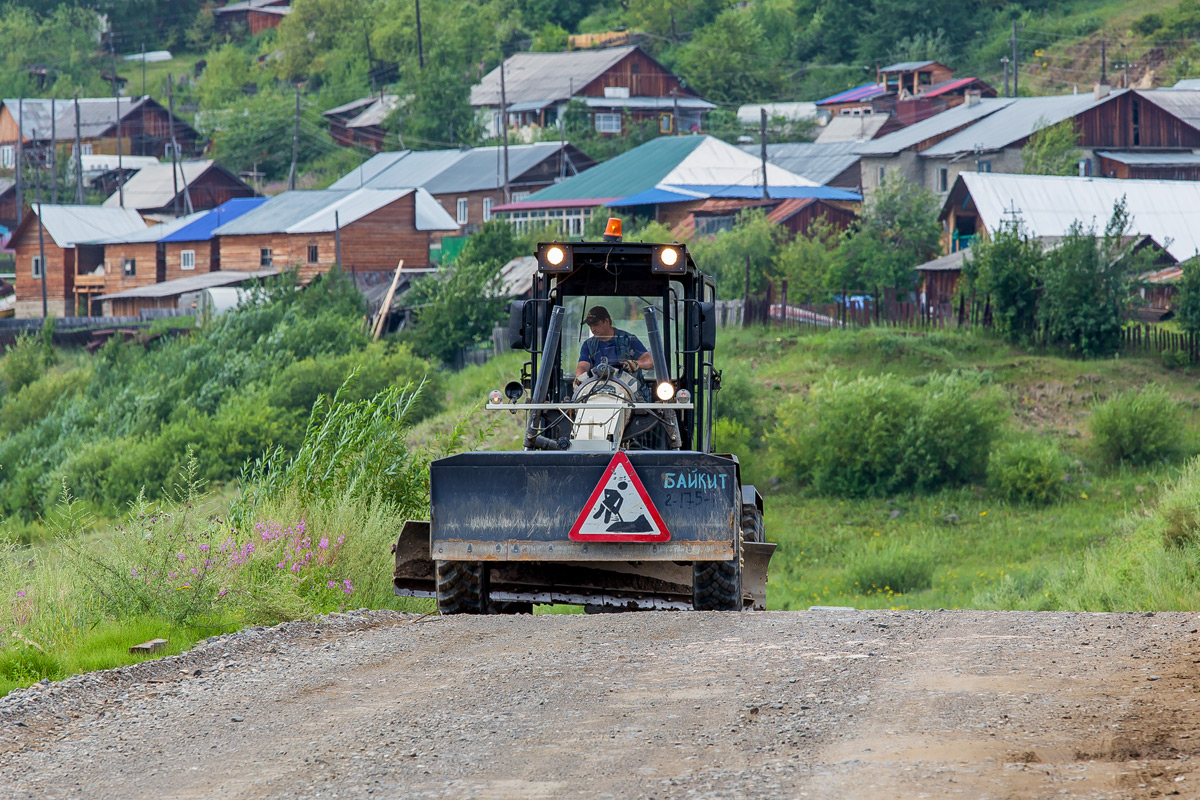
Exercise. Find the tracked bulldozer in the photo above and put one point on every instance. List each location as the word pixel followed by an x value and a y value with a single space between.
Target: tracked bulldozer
pixel 616 500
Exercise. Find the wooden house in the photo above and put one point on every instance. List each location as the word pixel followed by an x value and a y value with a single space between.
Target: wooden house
pixel 469 183
pixel 615 83
pixel 8 203
pixel 179 189
pixel 250 16
pixel 908 92
pixel 70 263
pixel 361 121
pixel 363 229
pixel 193 249
pixel 145 129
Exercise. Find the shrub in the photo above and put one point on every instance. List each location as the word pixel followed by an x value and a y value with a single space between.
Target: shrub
pixel 880 434
pixel 36 399
pixel 1028 471
pixel 24 362
pixel 1137 426
pixel 731 437
pixel 1175 359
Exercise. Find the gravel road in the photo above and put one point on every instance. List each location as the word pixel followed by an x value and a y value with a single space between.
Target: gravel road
pixel 821 704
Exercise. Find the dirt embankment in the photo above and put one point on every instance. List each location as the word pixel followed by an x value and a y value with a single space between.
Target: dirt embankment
pixel 847 704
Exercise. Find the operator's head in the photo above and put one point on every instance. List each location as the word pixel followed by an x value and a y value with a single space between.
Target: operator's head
pixel 599 321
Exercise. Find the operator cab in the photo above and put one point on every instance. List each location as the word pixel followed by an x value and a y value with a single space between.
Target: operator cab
pixel 653 294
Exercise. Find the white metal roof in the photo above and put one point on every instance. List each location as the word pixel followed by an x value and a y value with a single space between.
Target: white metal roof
pixel 751 115
pixel 154 187
pixel 323 211
pixel 717 163
pixel 851 128
pixel 191 283
pixel 69 225
pixel 1017 120
pixel 1046 205
pixel 152 233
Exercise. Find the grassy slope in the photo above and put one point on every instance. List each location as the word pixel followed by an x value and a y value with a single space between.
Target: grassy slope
pixel 983 552
pixel 971 539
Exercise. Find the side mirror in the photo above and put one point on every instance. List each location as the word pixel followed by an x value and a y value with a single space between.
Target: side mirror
pixel 702 326
pixel 521 330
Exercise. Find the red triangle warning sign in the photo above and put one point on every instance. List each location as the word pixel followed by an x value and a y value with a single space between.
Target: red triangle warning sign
pixel 619 509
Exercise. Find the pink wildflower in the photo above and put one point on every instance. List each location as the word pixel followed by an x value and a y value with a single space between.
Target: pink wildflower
pixel 20 592
pixel 347 587
pixel 324 545
pixel 331 584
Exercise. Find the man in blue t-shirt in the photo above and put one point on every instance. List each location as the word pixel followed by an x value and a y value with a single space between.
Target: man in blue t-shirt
pixel 607 343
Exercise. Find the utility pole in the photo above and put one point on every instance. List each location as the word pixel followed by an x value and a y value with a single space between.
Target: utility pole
pixel 143 77
pixel 1103 63
pixel 20 158
pixel 295 143
pixel 420 44
pixel 1015 62
pixel 174 154
pixel 41 242
pixel 1004 60
pixel 117 96
pixel 762 131
pixel 504 124
pixel 53 155
pixel 78 156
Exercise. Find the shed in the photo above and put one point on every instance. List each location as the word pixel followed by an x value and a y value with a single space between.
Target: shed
pixel 180 188
pixel 193 248
pixel 169 294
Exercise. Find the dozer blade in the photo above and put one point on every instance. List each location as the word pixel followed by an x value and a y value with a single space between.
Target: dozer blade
pixel 614 585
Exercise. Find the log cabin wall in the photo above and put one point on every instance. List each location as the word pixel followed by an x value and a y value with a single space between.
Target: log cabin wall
pixel 60 275
pixel 210 190
pixel 144 256
pixel 800 223
pixel 242 253
pixel 380 239
pixel 202 258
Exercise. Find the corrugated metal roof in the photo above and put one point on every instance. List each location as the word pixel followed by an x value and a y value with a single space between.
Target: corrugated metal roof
pixel 376 112
pixel 1187 85
pixel 154 233
pixel 1046 205
pixel 1151 159
pixel 849 128
pixel 671 193
pixel 907 66
pixel 96 116
pixel 516 277
pixel 346 108
pixel 446 171
pixel 545 76
pixel 820 163
pixel 947 86
pixel 322 211
pixel 192 283
pixel 864 92
pixel 931 127
pixel 154 187
pixel 947 263
pixel 249 5
pixel 1182 104
pixel 201 230
pixel 686 103
pixel 751 115
pixel 69 225
pixel 1016 120
pixel 631 172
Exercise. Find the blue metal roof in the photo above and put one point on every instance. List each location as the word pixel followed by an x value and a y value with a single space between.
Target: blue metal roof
pixel 202 229
pixel 863 92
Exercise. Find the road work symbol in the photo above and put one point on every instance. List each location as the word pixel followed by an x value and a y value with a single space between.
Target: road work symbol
pixel 619 509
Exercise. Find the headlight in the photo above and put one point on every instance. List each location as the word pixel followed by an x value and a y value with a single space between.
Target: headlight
pixel 669 258
pixel 496 397
pixel 554 257
pixel 665 391
pixel 684 396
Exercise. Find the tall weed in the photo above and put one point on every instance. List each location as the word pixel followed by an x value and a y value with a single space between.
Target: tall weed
pixel 1028 471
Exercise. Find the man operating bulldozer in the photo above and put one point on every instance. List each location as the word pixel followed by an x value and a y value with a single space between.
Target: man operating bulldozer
pixel 617 347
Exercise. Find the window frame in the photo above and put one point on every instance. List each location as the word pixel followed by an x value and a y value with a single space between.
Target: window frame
pixel 314 254
pixel 266 258
pixel 8 156
pixel 602 117
pixel 183 259
pixel 943 179
pixel 129 267
pixel 487 209
pixel 36 267
pixel 462 211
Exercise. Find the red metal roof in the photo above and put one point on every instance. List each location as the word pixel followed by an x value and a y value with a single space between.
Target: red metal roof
pixel 947 86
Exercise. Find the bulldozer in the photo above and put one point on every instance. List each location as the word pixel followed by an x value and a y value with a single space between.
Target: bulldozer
pixel 616 500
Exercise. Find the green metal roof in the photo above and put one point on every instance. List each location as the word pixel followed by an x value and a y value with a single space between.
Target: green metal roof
pixel 629 173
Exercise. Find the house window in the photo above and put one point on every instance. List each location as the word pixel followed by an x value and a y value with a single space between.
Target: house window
pixel 666 123
pixel 608 123
pixel 130 266
pixel 187 259
pixel 715 224
pixel 462 211
pixel 8 156
pixel 312 254
pixel 169 149
pixel 881 173
pixel 85 149
pixel 983 166
pixel 35 264
pixel 943 178
pixel 519 196
pixel 264 257
pixel 487 209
